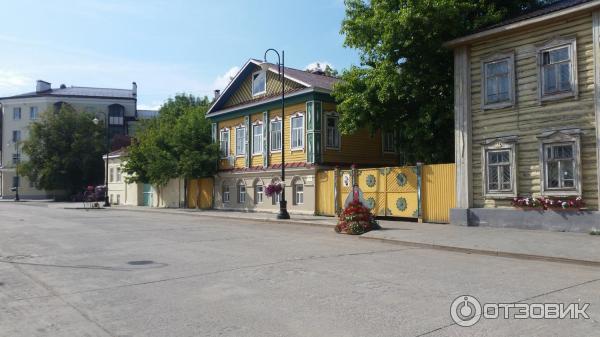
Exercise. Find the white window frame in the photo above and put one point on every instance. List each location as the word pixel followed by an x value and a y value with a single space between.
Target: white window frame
pixel 259 193
pixel 301 130
pixel 495 145
pixel 561 137
pixel 276 198
pixel 496 58
pixel 557 43
pixel 118 174
pixel 383 140
pixel 298 193
pixel 33 113
pixel 240 149
pixel 241 193
pixel 272 133
pixel 225 194
pixel 224 154
pixel 257 145
pixel 260 72
pixel 337 137
pixel 111 175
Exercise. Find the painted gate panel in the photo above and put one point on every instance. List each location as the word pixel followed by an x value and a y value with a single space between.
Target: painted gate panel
pixel 200 193
pixel 438 185
pixel 325 193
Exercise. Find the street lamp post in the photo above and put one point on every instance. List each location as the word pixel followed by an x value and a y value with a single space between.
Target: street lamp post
pixel 283 213
pixel 96 121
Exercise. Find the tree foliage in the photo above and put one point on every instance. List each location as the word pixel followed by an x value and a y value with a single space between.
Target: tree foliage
pixel 176 144
pixel 405 79
pixel 65 151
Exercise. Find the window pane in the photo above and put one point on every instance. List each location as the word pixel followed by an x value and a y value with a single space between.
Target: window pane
pixel 565 76
pixel 503 88
pixel 559 55
pixel 545 58
pixel 491 90
pixel 493 178
pixel 552 172
pixel 550 78
pixel 258 83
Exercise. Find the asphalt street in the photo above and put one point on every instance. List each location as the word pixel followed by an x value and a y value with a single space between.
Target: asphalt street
pixel 123 273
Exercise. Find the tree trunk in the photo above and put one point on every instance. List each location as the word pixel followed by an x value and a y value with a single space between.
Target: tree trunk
pixel 157 196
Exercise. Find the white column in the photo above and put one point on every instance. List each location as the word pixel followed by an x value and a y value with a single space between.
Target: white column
pixel 462 127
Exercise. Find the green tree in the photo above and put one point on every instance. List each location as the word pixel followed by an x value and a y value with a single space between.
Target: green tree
pixel 405 79
pixel 177 144
pixel 65 151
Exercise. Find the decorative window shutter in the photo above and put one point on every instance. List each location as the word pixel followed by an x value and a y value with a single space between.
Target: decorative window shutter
pixel 313 131
pixel 247 140
pixel 214 132
pixel 266 138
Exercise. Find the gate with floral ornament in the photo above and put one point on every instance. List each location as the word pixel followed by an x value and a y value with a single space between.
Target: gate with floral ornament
pixel 423 192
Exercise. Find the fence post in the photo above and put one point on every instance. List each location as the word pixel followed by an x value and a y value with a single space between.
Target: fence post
pixel 336 205
pixel 419 191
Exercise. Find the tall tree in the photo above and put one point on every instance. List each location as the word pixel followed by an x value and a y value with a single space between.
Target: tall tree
pixel 177 144
pixel 65 151
pixel 405 80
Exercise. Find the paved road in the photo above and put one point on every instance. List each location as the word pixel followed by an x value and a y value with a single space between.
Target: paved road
pixel 121 273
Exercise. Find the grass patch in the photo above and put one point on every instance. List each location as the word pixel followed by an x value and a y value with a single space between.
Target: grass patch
pixel 595 232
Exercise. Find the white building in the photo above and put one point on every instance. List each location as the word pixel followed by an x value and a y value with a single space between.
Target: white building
pixel 19 111
pixel 120 192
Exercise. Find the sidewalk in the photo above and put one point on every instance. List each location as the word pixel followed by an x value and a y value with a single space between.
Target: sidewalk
pixel 574 248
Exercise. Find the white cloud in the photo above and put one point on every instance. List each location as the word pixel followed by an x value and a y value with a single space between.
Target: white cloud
pixel 13 82
pixel 319 64
pixel 222 81
pixel 151 106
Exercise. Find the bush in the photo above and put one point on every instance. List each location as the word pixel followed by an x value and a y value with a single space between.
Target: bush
pixel 356 219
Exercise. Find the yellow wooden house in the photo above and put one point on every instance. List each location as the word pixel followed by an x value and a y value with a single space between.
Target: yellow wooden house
pixel 247 124
pixel 527 117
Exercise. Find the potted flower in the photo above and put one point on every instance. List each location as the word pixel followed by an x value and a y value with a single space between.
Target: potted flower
pixel 273 189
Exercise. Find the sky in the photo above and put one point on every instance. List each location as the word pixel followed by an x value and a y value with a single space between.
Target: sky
pixel 166 46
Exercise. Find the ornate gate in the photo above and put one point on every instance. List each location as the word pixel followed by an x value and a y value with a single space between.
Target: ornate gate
pixel 407 191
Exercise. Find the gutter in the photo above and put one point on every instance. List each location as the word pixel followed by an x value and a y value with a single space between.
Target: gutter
pixel 520 24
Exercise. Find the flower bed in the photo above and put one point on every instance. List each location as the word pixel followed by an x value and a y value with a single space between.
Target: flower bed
pixel 548 203
pixel 356 219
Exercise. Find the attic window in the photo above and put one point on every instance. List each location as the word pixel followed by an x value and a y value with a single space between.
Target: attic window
pixel 259 83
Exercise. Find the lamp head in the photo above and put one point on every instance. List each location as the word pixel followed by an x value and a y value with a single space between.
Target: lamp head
pixel 96 120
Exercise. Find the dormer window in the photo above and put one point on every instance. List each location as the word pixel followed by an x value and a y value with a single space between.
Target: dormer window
pixel 259 83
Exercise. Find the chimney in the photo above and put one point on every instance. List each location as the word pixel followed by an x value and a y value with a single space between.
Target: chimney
pixel 63 86
pixel 217 93
pixel 134 89
pixel 42 86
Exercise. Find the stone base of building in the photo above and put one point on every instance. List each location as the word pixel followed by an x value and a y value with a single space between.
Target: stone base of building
pixel 249 180
pixel 553 220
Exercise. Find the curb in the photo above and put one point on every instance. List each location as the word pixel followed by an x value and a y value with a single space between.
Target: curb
pixel 484 252
pixel 288 222
pixel 519 256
